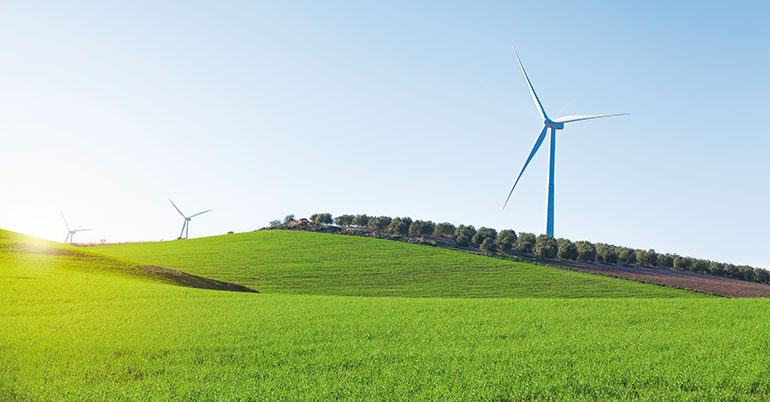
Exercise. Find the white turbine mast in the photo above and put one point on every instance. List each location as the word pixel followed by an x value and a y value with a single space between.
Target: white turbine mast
pixel 70 232
pixel 186 225
pixel 553 125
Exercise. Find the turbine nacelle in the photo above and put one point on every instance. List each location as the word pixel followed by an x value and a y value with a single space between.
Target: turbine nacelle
pixel 554 125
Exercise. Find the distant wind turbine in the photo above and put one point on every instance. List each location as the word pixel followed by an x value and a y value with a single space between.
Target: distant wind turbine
pixel 70 232
pixel 186 225
pixel 555 124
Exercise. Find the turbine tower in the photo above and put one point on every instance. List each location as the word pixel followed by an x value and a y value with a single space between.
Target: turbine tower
pixel 70 232
pixel 186 224
pixel 553 125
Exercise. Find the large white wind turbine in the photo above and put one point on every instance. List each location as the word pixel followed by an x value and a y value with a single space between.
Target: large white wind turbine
pixel 186 225
pixel 70 232
pixel 555 124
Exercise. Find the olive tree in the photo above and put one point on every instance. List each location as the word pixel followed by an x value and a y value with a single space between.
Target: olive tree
pixel 379 222
pixel 361 220
pixel 545 246
pixel 681 263
pixel 665 261
pixel 467 231
pixel 488 246
pixel 483 233
pixel 344 220
pixel 505 240
pixel 627 255
pixel 444 229
pixel 463 240
pixel 567 249
pixel 525 243
pixel 586 250
pixel 322 218
pixel 399 226
pixel 421 228
pixel 761 275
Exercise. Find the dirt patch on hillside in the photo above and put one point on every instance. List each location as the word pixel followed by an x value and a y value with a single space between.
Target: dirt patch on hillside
pixel 193 281
pixel 714 285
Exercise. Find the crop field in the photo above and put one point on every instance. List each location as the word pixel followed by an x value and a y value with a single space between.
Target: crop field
pixel 327 264
pixel 84 327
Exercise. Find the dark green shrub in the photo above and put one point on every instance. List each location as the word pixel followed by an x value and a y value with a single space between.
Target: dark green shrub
pixel 567 249
pixel 525 243
pixel 488 246
pixel 482 234
pixel 545 246
pixel 322 218
pixel 665 261
pixel 467 231
pixel 463 240
pixel 444 229
pixel 627 255
pixel 361 220
pixel 586 250
pixel 506 239
pixel 344 220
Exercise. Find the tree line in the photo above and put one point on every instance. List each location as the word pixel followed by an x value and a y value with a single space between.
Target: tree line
pixel 508 242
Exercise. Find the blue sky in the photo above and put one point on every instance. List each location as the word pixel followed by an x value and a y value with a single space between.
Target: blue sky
pixel 392 108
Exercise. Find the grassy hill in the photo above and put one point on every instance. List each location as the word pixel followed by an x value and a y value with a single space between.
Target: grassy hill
pixel 79 329
pixel 328 264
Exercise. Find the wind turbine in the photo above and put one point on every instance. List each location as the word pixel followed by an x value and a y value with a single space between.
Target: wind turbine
pixel 186 225
pixel 70 232
pixel 553 125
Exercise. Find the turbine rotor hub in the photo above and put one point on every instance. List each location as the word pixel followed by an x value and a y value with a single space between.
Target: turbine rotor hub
pixel 554 125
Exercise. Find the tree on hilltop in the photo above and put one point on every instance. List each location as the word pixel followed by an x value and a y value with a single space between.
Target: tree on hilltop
pixel 483 233
pixel 467 231
pixel 322 218
pixel 444 229
pixel 545 246
pixel 505 240
pixel 343 220
pixel 361 220
pixel 586 250
pixel 525 242
pixel 567 249
pixel 488 246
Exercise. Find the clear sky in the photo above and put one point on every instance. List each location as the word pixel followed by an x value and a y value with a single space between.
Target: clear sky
pixel 388 108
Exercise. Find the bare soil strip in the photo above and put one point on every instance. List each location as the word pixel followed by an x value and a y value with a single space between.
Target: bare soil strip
pixel 194 281
pixel 714 285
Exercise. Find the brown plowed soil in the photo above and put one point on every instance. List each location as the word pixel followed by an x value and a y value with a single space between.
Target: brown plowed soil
pixel 714 285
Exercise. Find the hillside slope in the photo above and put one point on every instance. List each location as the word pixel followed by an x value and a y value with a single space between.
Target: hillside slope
pixel 328 264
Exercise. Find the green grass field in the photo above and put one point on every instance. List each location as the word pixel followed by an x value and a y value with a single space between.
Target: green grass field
pixel 77 328
pixel 326 264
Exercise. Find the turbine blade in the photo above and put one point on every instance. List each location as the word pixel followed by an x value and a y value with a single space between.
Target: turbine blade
pixel 531 154
pixel 183 226
pixel 200 213
pixel 81 230
pixel 65 220
pixel 539 105
pixel 177 209
pixel 570 119
pixel 66 239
